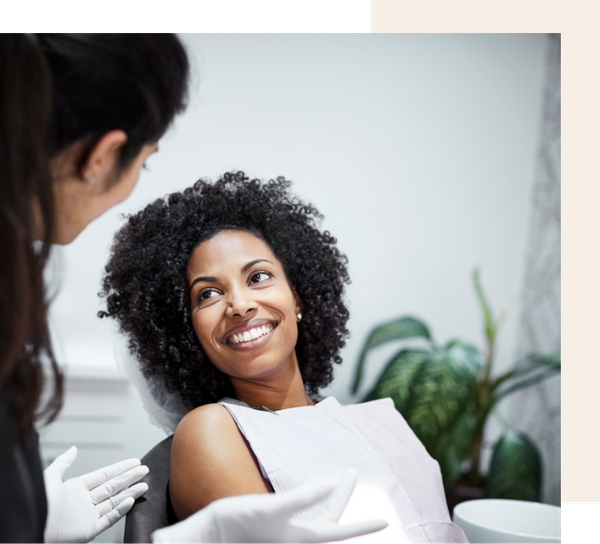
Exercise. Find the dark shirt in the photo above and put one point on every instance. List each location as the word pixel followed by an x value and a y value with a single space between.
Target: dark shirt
pixel 23 507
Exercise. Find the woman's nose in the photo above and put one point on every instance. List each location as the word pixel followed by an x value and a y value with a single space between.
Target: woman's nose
pixel 240 304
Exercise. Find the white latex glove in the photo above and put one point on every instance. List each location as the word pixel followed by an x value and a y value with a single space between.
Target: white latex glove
pixel 81 508
pixel 266 518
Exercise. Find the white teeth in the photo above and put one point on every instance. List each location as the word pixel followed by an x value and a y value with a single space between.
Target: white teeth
pixel 252 334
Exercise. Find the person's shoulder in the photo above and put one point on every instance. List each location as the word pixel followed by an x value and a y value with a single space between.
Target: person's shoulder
pixel 206 426
pixel 210 460
pixel 207 414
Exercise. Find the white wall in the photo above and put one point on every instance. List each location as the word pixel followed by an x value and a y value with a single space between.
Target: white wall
pixel 418 149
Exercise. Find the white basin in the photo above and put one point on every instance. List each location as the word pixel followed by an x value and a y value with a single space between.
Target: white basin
pixel 503 520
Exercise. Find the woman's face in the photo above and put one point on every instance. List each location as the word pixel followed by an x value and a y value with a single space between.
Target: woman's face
pixel 243 309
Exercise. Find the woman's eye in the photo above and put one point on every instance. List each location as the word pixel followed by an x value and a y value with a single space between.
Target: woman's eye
pixel 261 276
pixel 209 293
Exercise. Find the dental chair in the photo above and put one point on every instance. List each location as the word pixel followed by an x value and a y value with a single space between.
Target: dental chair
pixel 153 510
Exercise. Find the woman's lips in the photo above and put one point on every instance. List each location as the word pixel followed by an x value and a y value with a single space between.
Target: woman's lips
pixel 252 344
pixel 251 334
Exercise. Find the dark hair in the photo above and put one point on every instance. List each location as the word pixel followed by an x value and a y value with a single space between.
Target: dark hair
pixel 147 290
pixel 57 90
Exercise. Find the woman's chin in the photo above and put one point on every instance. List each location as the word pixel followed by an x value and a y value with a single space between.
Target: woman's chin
pixel 265 366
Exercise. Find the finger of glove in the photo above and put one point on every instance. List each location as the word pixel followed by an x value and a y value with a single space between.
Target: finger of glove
pixel 118 484
pixel 309 494
pixel 337 501
pixel 110 518
pixel 310 531
pixel 135 492
pixel 64 461
pixel 98 477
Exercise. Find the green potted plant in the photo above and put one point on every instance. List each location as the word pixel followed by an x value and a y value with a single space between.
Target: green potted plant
pixel 446 394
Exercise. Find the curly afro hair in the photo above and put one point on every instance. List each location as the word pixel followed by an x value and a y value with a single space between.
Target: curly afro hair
pixel 147 292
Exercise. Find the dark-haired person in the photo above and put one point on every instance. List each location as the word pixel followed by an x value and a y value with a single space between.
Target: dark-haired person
pixel 233 302
pixel 79 115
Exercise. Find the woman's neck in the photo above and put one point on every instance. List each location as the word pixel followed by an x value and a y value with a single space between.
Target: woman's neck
pixel 286 390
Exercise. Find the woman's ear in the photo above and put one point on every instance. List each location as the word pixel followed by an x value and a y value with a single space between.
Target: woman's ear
pixel 101 162
pixel 297 306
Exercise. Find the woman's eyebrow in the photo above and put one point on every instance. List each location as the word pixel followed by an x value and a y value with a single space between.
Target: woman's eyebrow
pixel 203 278
pixel 252 263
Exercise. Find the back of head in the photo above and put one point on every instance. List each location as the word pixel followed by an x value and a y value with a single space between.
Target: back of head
pixel 57 90
pixel 102 82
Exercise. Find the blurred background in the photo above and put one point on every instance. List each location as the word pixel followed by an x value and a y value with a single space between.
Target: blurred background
pixel 429 156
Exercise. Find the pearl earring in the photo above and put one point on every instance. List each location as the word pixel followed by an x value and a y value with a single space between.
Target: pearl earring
pixel 299 316
pixel 90 179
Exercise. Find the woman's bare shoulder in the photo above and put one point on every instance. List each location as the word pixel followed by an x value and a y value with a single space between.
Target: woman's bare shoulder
pixel 203 422
pixel 210 459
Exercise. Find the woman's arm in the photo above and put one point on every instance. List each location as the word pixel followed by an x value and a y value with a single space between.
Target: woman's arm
pixel 210 460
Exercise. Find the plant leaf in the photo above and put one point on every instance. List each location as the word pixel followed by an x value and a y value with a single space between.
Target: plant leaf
pixel 515 469
pixel 397 378
pixel 536 361
pixel 550 360
pixel 490 326
pixel 465 355
pixel 397 329
pixel 534 369
pixel 523 384
pixel 440 393
pixel 453 446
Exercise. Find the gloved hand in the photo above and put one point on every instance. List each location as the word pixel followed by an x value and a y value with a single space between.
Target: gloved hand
pixel 266 518
pixel 81 508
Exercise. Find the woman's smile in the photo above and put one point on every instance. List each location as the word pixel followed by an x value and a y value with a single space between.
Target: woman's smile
pixel 253 334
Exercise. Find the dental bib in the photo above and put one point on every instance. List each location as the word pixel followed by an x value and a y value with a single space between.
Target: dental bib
pixel 397 479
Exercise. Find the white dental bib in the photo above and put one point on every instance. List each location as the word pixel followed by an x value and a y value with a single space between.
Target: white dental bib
pixel 397 479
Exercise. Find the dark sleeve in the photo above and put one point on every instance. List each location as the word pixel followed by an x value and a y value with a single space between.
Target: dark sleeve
pixel 22 495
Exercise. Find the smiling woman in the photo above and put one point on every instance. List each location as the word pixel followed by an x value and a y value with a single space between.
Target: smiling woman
pixel 153 291
pixel 230 290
